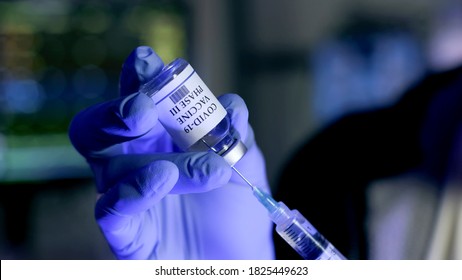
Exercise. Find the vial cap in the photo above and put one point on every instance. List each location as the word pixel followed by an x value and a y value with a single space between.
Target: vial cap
pixel 235 153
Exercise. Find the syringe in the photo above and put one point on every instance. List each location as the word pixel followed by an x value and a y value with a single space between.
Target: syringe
pixel 295 229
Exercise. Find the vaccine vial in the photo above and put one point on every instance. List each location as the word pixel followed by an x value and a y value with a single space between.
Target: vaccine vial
pixel 191 113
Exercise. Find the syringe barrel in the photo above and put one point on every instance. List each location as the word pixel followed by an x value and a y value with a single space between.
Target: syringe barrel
pixel 305 239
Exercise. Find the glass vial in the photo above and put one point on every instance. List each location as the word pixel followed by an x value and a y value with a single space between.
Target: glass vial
pixel 191 113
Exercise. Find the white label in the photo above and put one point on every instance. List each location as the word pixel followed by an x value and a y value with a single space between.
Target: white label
pixel 187 108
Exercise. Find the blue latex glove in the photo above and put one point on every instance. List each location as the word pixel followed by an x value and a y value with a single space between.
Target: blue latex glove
pixel 160 203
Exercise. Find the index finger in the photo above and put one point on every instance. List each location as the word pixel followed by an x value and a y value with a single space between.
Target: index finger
pixel 140 66
pixel 101 127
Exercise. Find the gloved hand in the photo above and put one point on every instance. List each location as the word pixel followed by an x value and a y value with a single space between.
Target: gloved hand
pixel 157 202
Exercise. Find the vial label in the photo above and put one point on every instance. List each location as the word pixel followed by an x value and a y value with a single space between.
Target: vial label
pixel 187 108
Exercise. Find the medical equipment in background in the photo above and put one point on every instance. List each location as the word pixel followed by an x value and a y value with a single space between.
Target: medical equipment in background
pixel 197 121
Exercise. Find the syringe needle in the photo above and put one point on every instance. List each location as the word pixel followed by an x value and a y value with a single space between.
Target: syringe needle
pixel 242 176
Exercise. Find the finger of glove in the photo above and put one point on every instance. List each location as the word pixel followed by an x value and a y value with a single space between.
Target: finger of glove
pixel 253 162
pixel 96 130
pixel 141 65
pixel 198 171
pixel 237 109
pixel 136 193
